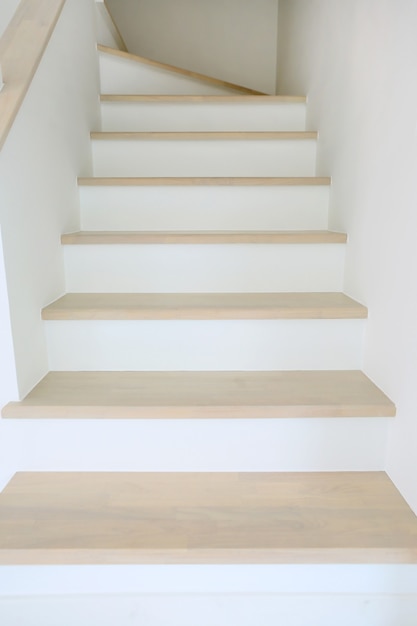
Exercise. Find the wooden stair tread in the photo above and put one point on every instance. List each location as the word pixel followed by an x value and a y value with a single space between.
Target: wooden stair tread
pixel 202 237
pixel 194 394
pixel 205 136
pixel 177 70
pixel 187 181
pixel 220 306
pixel 95 518
pixel 202 99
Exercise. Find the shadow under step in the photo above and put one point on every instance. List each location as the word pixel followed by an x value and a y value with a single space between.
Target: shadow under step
pixel 114 518
pixel 199 395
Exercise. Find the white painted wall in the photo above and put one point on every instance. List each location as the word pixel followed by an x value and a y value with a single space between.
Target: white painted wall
pixel 356 61
pixel 107 33
pixel 48 146
pixel 8 380
pixel 7 9
pixel 234 40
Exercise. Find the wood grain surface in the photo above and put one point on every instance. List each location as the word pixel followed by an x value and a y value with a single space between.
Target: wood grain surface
pixel 205 518
pixel 193 395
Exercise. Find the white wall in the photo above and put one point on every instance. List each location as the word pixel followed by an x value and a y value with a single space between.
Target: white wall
pixel 48 146
pixel 8 380
pixel 7 9
pixel 107 34
pixel 356 61
pixel 234 40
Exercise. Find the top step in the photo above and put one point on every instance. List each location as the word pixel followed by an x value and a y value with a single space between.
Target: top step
pixel 125 73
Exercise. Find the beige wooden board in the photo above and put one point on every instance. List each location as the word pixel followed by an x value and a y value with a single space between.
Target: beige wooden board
pixel 177 70
pixel 202 237
pixel 191 395
pixel 206 136
pixel 162 306
pixel 21 49
pixel 205 518
pixel 178 181
pixel 204 99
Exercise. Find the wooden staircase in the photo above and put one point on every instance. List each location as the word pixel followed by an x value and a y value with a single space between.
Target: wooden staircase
pixel 208 293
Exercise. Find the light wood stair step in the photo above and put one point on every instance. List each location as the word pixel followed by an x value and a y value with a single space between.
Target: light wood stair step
pixel 113 518
pixel 177 70
pixel 202 99
pixel 175 181
pixel 203 237
pixel 204 136
pixel 192 306
pixel 184 395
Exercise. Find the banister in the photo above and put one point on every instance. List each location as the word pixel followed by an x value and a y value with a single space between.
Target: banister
pixel 21 48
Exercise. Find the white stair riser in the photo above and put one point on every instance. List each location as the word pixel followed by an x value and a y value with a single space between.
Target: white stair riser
pixel 296 444
pixel 199 208
pixel 204 268
pixel 204 158
pixel 123 76
pixel 224 579
pixel 204 345
pixel 186 609
pixel 175 117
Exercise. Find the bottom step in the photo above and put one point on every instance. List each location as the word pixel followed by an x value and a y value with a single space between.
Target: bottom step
pixel 96 518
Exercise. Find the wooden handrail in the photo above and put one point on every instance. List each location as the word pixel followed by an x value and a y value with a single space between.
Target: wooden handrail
pixel 21 48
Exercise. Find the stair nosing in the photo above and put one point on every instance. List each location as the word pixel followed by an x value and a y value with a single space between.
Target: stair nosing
pixel 201 99
pixel 13 410
pixel 175 181
pixel 202 237
pixel 204 136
